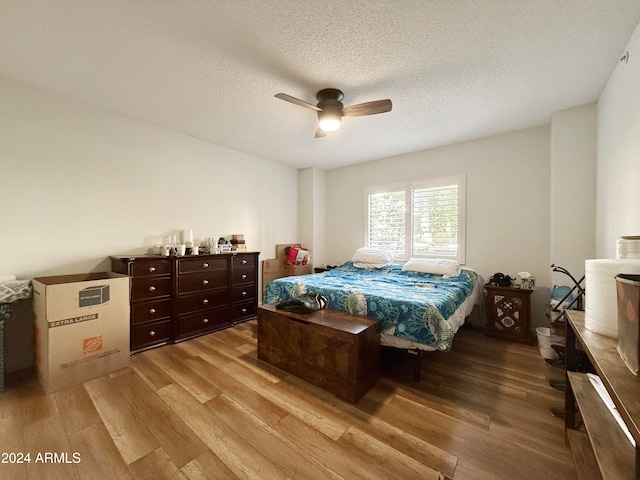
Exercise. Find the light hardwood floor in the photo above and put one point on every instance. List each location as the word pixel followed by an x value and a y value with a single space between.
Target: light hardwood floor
pixel 208 409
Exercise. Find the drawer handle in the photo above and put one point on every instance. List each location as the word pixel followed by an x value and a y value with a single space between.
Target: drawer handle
pixel 244 276
pixel 152 310
pixel 244 262
pixel 152 288
pixel 152 333
pixel 244 310
pixel 205 282
pixel 205 265
pixel 205 301
pixel 244 294
pixel 152 269
pixel 206 320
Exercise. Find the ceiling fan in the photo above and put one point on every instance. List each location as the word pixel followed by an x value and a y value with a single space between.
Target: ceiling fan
pixel 331 110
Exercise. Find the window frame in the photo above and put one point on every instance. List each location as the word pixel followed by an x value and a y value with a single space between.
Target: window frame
pixel 408 187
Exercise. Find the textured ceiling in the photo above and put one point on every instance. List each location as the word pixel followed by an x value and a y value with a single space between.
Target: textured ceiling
pixel 455 70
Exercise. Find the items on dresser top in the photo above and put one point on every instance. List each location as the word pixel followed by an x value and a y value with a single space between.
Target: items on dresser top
pixel 180 297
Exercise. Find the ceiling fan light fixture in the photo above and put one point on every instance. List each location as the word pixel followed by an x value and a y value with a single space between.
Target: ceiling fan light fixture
pixel 330 109
pixel 329 119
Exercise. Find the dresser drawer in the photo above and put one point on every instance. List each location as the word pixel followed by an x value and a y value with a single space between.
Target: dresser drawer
pixel 194 282
pixel 243 293
pixel 208 320
pixel 143 288
pixel 201 264
pixel 243 260
pixel 150 266
pixel 243 275
pixel 150 311
pixel 202 301
pixel 150 334
pixel 240 311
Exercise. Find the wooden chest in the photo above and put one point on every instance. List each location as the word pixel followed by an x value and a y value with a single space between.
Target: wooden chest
pixel 333 350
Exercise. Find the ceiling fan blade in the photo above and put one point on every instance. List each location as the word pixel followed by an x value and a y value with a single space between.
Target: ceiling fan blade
pixel 320 133
pixel 297 101
pixel 367 108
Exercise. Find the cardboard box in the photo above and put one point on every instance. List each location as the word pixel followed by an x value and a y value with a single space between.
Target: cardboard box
pixel 81 327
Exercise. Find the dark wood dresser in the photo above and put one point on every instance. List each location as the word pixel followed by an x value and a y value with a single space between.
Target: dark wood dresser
pixel 180 297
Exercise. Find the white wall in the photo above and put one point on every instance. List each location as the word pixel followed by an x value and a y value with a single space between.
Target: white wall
pixel 311 213
pixel 508 202
pixel 79 183
pixel 573 190
pixel 618 209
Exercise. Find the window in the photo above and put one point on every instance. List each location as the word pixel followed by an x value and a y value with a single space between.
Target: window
pixel 425 219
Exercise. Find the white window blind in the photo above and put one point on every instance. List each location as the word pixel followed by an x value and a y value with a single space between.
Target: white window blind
pixel 387 221
pixel 425 219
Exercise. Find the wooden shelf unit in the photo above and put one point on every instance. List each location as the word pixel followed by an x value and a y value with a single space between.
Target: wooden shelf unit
pixel 604 446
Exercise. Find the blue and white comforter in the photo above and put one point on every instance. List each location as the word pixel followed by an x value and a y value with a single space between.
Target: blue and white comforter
pixel 411 305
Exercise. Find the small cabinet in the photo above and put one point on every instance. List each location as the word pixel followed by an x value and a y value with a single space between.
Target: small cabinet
pixel 509 313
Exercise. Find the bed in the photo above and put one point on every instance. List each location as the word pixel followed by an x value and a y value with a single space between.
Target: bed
pixel 418 311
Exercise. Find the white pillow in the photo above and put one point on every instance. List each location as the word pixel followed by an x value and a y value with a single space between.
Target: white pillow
pixel 438 266
pixel 372 258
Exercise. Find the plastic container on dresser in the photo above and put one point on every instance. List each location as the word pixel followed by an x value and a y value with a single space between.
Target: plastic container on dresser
pixel 151 299
pixel 186 296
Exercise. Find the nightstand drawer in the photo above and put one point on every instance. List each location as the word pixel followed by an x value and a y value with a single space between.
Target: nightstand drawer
pixel 143 288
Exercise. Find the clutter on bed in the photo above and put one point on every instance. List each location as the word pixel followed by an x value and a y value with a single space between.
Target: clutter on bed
pixel 305 303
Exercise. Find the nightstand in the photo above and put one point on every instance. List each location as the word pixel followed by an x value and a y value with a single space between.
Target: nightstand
pixel 509 313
